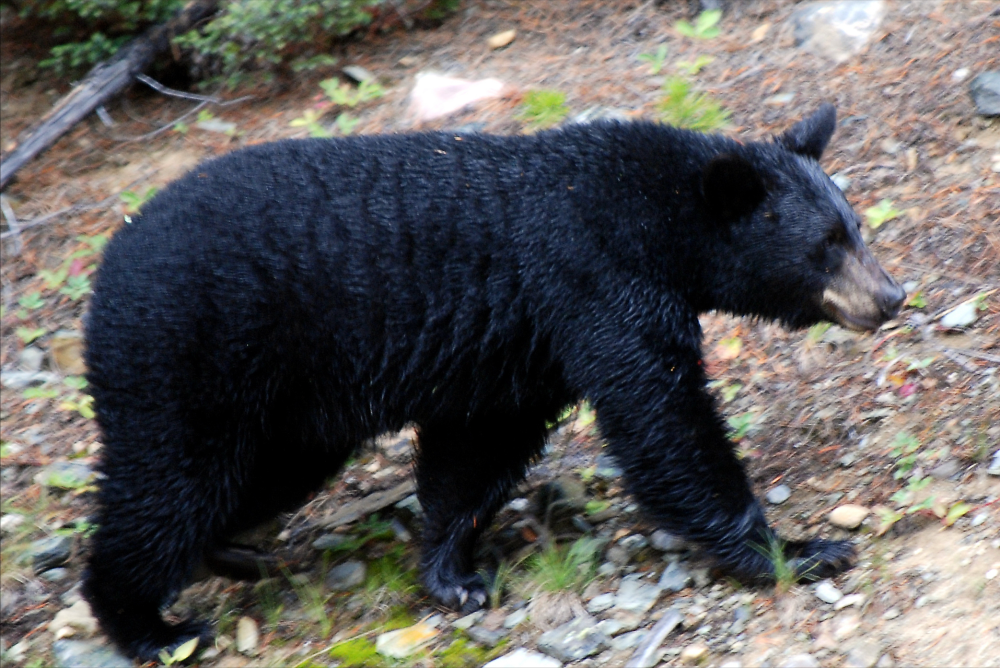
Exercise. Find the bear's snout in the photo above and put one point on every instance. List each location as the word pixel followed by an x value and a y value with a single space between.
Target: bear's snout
pixel 862 295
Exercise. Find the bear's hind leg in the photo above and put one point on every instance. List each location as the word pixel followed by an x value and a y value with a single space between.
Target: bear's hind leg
pixel 151 535
pixel 464 474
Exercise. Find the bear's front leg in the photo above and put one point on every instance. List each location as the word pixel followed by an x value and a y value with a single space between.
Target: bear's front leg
pixel 662 427
pixel 464 475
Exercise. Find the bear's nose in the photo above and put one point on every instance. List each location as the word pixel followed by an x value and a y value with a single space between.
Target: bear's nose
pixel 890 298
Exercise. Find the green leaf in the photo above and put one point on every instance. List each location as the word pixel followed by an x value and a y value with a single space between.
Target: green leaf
pixel 956 511
pixel 881 213
pixel 704 26
pixel 594 506
pixel 186 650
pixel 920 364
pixel 917 300
pixel 75 382
pixel 543 108
pixel 923 505
pixel 730 391
pixel 655 60
pixel 346 123
pixel 29 334
pixel 32 301
pixel 40 393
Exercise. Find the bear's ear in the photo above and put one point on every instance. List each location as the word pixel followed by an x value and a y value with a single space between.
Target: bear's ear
pixel 731 186
pixel 810 136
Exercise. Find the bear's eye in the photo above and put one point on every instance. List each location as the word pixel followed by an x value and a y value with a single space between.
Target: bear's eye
pixel 836 237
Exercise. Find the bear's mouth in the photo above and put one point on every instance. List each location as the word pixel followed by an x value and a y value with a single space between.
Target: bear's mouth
pixel 833 308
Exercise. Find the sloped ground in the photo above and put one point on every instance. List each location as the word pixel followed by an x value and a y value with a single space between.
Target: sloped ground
pixel 832 415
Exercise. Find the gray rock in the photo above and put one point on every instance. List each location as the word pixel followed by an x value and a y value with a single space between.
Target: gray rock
pixel 979 519
pixel 800 661
pixel 485 636
pixel 66 475
pixel 515 618
pixel 346 575
pixel 634 543
pixel 30 359
pixel 574 640
pixel 837 29
pixel 466 622
pixel 411 504
pixel 863 654
pixel 599 114
pixel 55 574
pixel 826 592
pixel 994 468
pixel 358 73
pixel 628 640
pixel 607 467
pixel 618 555
pixel 77 653
pixel 607 569
pixel 524 658
pixel 779 494
pixel 397 447
pixel 665 541
pixel 674 578
pixel 963 315
pixel 636 595
pixel 49 552
pixel 946 469
pixel 700 577
pixel 19 380
pixel 329 542
pixel 600 603
pixel 10 522
pixel 985 92
pixel 841 181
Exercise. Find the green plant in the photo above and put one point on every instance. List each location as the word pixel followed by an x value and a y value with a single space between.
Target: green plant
pixel 785 572
pixel 346 123
pixel 693 67
pixel 571 568
pixel 881 213
pixel 498 582
pixel 595 506
pixel 31 301
pixel 314 599
pixel 729 392
pixel 345 95
pixel 463 654
pixel 179 655
pixel 55 278
pixel 133 201
pixel 543 108
pixel 310 121
pixel 40 393
pixel 357 652
pixel 77 287
pixel 917 300
pixel 704 26
pixel 684 108
pixel 904 451
pixel 741 425
pixel 29 334
pixel 656 59
pixel 816 332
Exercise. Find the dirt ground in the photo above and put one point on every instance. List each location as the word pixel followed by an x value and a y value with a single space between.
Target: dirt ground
pixel 835 416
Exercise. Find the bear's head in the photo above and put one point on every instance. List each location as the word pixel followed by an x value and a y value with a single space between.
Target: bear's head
pixel 791 246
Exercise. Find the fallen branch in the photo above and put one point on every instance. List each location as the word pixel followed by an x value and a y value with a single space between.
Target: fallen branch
pixel 104 81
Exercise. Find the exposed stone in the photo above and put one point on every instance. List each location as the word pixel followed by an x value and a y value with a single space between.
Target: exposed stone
pixel 778 495
pixel 329 541
pixel 826 592
pixel 76 617
pixel 501 39
pixel 800 661
pixel 665 541
pixel 10 521
pixel 515 618
pixel 837 29
pixel 628 640
pixel 76 653
pixel 358 74
pixel 985 91
pixel 853 599
pixel 863 654
pixel 49 552
pixel 247 636
pixel 636 595
pixel 524 658
pixel 694 654
pixel 574 640
pixel 67 352
pixel 674 578
pixel 463 623
pixel 848 516
pixel 401 643
pixel 600 603
pixel 346 575
pixel 484 636
pixel 30 359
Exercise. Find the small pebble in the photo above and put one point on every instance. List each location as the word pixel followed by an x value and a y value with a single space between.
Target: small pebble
pixel 853 599
pixel 778 495
pixel 848 516
pixel 991 574
pixel 694 654
pixel 800 661
pixel 247 636
pixel 961 74
pixel 891 613
pixel 826 592
pixel 501 39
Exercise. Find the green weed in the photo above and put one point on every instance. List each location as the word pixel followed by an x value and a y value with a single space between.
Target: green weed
pixel 357 652
pixel 570 568
pixel 704 26
pixel 345 95
pixel 133 201
pixel 463 654
pixel 498 582
pixel 881 213
pixel 693 67
pixel 905 451
pixel 543 108
pixel 310 120
pixel 741 425
pixel 656 59
pixel 684 108
pixel 29 334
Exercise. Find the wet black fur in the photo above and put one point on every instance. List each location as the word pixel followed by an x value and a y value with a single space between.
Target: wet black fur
pixel 276 307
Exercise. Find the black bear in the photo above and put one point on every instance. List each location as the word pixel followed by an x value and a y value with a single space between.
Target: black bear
pixel 278 306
